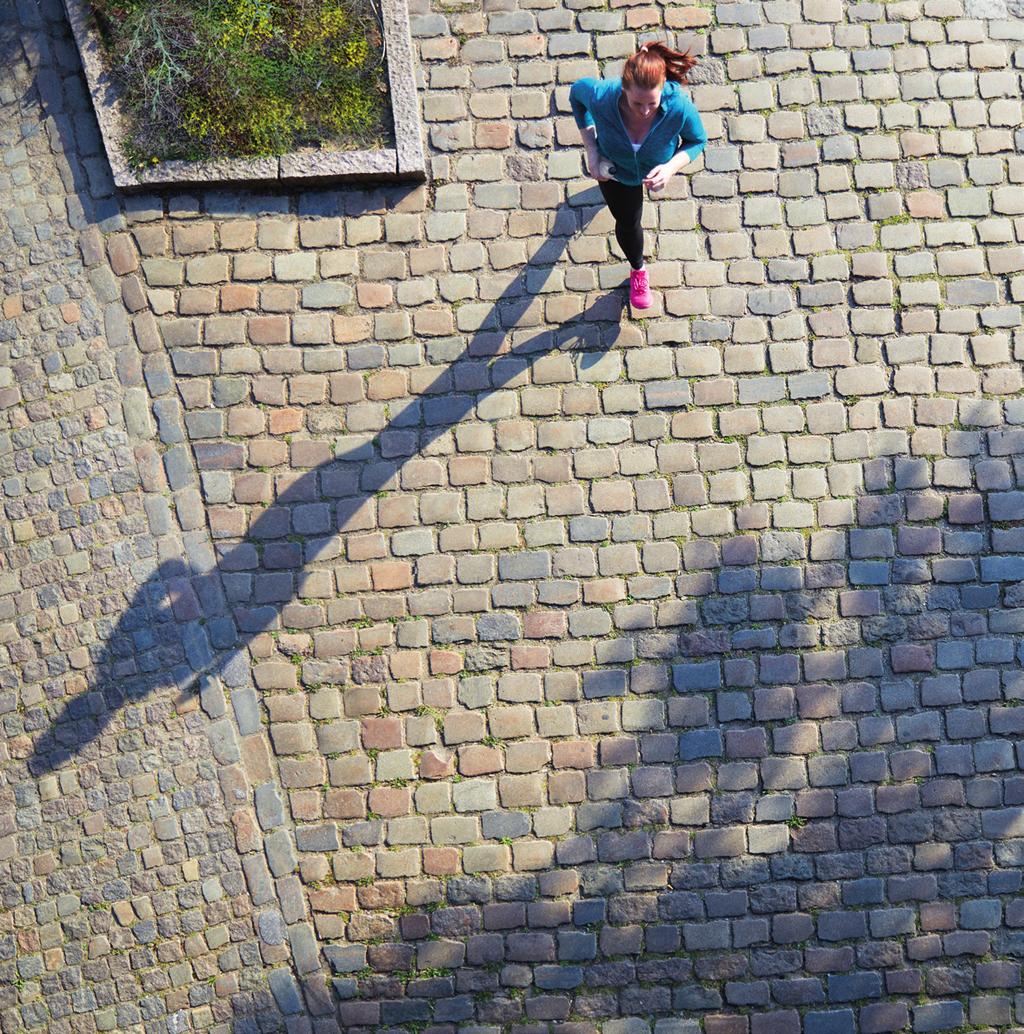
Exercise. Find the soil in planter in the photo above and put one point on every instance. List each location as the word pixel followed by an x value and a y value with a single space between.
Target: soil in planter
pixel 207 79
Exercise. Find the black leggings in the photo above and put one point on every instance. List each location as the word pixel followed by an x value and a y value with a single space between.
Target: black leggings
pixel 626 205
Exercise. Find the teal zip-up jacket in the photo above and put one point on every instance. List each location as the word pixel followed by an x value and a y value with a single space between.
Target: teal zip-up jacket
pixel 595 102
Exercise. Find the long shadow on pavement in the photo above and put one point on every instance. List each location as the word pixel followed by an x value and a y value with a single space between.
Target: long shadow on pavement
pixel 175 591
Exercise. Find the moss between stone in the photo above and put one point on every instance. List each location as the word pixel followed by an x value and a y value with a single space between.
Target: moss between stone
pixel 210 79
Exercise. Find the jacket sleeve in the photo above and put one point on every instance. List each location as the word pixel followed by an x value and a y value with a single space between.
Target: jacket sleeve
pixel 692 135
pixel 581 96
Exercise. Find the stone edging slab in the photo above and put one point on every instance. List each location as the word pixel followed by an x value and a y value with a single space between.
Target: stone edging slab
pixel 403 161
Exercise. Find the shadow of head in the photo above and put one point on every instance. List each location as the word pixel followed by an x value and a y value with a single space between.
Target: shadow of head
pixel 181 625
pixel 148 649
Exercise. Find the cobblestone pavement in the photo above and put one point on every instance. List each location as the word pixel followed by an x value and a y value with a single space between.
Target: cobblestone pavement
pixel 124 904
pixel 397 634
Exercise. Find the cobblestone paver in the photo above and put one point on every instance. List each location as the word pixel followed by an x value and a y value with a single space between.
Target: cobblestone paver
pixel 557 671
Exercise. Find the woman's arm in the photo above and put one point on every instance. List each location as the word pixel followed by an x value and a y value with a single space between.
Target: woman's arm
pixel 588 134
pixel 580 96
pixel 692 139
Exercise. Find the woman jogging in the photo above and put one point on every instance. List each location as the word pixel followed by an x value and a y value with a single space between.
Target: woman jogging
pixel 638 131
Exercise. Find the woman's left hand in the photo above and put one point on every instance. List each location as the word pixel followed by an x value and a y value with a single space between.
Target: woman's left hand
pixel 659 176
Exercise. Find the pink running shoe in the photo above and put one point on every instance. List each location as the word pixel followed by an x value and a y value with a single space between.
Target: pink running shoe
pixel 639 290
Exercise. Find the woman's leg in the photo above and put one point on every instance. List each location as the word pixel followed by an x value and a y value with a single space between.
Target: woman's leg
pixel 626 204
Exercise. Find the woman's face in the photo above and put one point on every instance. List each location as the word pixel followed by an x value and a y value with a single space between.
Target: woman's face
pixel 642 103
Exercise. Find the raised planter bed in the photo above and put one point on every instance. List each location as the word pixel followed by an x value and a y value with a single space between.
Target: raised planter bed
pixel 403 161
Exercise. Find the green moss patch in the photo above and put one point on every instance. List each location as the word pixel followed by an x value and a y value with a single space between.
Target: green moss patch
pixel 209 79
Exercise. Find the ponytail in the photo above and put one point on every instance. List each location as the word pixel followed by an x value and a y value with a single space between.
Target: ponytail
pixel 655 62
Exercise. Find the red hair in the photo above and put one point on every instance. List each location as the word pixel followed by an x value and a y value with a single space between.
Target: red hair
pixel 653 63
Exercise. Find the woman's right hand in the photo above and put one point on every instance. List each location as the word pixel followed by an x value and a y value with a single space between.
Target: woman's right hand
pixel 594 163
